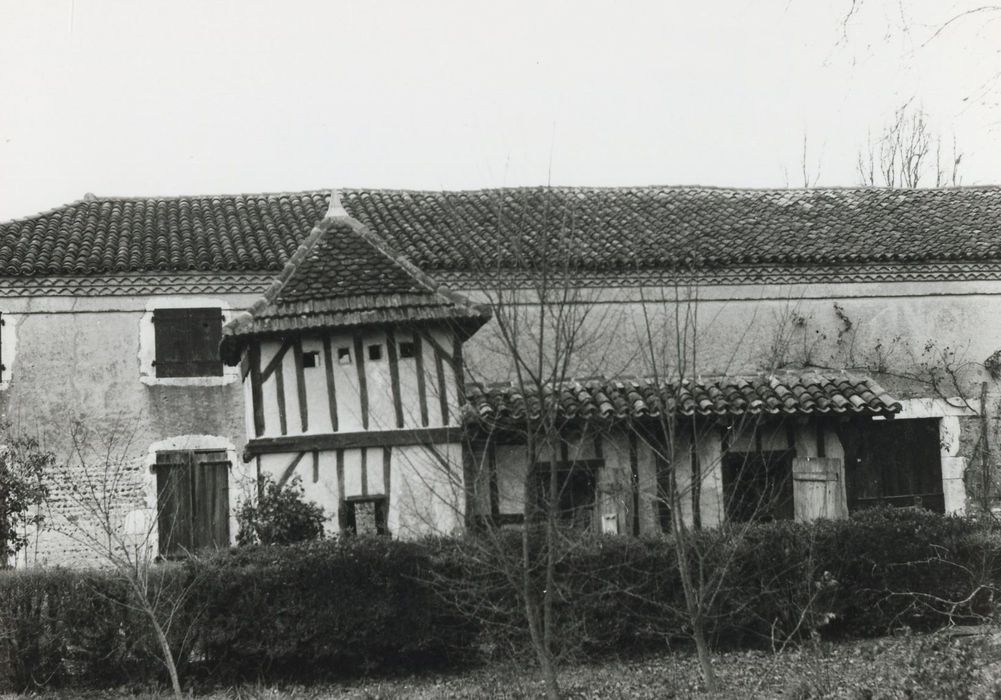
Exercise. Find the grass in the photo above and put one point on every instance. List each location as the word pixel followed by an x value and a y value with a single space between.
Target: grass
pixel 931 666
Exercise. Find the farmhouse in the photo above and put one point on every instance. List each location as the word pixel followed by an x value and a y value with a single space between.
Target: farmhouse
pixel 830 349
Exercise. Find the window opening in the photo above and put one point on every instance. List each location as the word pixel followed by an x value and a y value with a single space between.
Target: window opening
pixel 365 516
pixel 758 485
pixel 575 497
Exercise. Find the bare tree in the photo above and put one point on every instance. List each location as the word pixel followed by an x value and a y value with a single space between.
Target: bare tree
pixel 109 519
pixel 907 153
pixel 899 21
pixel 672 334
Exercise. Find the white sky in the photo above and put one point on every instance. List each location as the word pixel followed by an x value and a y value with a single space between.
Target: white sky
pixel 132 97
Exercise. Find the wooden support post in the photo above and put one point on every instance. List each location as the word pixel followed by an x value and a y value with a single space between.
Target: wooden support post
pixel 362 380
pixel 328 367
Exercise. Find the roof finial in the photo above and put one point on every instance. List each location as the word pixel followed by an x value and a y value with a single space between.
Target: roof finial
pixel 336 209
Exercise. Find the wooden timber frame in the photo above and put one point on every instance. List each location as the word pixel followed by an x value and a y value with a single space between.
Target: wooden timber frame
pixel 427 384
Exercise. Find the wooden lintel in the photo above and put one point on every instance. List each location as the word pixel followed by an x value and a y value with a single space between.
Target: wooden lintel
pixel 359 439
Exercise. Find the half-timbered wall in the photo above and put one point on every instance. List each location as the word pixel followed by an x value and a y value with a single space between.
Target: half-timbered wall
pixel 422 485
pixel 346 390
pixel 361 417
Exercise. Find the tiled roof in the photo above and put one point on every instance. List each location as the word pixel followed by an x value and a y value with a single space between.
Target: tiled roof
pixel 787 394
pixel 197 234
pixel 665 227
pixel 597 228
pixel 343 275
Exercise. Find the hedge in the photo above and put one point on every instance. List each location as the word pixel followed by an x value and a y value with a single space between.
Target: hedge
pixel 360 606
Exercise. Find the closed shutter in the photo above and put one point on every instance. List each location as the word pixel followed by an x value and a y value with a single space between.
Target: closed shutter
pixel 187 342
pixel 173 503
pixel 211 520
pixel 192 501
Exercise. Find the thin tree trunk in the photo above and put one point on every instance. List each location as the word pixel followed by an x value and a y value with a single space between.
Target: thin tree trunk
pixel 549 670
pixel 702 650
pixel 537 631
pixel 168 656
pixel 693 600
pixel 985 452
pixel 696 483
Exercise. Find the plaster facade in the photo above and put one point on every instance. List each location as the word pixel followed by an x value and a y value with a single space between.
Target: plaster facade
pixel 902 333
pixel 84 360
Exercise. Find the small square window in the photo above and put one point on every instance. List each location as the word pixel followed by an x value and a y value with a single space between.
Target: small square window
pixel 407 349
pixel 310 359
pixel 365 516
pixel 375 352
pixel 344 356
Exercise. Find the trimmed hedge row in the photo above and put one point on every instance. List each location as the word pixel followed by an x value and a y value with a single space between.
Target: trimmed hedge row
pixel 357 606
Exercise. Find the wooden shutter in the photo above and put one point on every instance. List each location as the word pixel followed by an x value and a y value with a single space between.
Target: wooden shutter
pixel 211 488
pixel 192 501
pixel 818 488
pixel 174 503
pixel 187 342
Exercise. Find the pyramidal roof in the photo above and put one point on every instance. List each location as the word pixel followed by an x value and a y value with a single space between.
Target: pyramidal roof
pixel 343 275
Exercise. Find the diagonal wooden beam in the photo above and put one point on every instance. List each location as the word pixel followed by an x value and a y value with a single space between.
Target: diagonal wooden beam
pixel 287 474
pixel 275 361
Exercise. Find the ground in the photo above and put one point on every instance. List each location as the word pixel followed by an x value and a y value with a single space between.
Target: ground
pixel 919 666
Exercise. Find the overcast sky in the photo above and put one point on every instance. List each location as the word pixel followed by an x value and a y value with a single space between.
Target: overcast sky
pixel 182 97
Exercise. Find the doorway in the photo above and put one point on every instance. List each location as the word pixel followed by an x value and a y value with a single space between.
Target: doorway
pixel 894 462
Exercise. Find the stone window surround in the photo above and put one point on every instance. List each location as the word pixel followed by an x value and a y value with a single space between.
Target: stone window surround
pixel 8 347
pixel 147 343
pixel 953 463
pixel 142 521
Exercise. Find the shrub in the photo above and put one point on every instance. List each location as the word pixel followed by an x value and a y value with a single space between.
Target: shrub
pixel 360 605
pixel 279 515
pixel 323 608
pixel 22 466
pixel 60 627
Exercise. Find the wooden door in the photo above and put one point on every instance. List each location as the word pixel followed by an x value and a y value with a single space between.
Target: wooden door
pixel 818 488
